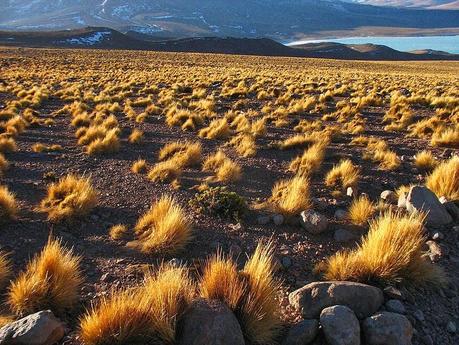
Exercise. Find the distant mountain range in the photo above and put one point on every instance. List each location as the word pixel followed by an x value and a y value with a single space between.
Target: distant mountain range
pixel 105 38
pixel 277 19
pixel 436 4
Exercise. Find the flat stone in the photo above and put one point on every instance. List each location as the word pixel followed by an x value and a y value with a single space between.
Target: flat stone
pixel 311 299
pixel 343 235
pixel 263 220
pixel 340 214
pixel 41 328
pixel 278 219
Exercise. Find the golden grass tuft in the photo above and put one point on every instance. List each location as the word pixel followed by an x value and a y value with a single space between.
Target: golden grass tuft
pixel 146 314
pixel 290 197
pixel 163 229
pixel 136 136
pixel 361 210
pixel 5 269
pixel 446 137
pixel 51 281
pixel 259 313
pixel 391 252
pixel 182 153
pixel 139 166
pixel 7 145
pixel 72 196
pixel 310 161
pixel 217 129
pixel 8 205
pixel 344 175
pixel 444 180
pixel 164 172
pixel 118 232
pixel 245 144
pixel 425 160
pixel 110 142
pixel 4 165
pixel 225 169
pixel 221 280
pixel 250 293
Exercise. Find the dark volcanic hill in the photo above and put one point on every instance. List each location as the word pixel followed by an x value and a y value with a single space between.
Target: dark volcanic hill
pixel 237 18
pixel 105 38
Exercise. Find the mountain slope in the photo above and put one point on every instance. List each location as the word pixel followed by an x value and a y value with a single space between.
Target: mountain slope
pixel 443 4
pixel 237 18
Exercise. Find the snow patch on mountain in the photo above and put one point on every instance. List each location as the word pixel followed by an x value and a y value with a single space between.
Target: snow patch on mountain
pixel 94 39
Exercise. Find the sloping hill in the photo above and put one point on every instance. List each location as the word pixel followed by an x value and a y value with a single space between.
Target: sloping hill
pixel 105 38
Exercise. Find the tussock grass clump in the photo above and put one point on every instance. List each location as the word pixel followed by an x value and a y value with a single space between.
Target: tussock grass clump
pixel 72 196
pixel 163 229
pixel 118 232
pixel 446 137
pixel 225 169
pixel 425 160
pixel 139 166
pixel 310 161
pixel 5 269
pixel 146 314
pixel 4 165
pixel 136 136
pixel 183 153
pixel 361 210
pixel 290 197
pixel 250 293
pixel 7 145
pixel 8 205
pixel 110 142
pixel 444 180
pixel 164 172
pixel 301 140
pixel 343 175
pixel 217 129
pixel 51 281
pixel 39 147
pixel 391 252
pixel 245 144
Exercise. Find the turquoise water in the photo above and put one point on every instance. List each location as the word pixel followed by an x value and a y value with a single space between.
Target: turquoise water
pixel 448 44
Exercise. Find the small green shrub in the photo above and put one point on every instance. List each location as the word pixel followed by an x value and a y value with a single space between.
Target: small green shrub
pixel 221 202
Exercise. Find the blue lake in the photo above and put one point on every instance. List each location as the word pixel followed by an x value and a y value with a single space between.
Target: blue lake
pixel 448 44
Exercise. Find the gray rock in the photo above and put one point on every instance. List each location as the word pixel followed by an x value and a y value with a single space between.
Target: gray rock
pixel 422 199
pixel 427 340
pixel 209 322
pixel 438 236
pixel 343 235
pixel 41 328
pixel 263 220
pixel 313 222
pixel 435 252
pixel 278 219
pixel 350 192
pixel 340 214
pixel 395 306
pixel 389 197
pixel 419 315
pixel 340 325
pixel 286 262
pixel 452 209
pixel 302 333
pixel 387 329
pixel 311 299
pixel 451 327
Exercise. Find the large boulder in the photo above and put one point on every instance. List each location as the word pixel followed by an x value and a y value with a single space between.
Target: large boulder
pixel 302 333
pixel 313 222
pixel 209 322
pixel 311 299
pixel 387 328
pixel 340 325
pixel 41 328
pixel 422 199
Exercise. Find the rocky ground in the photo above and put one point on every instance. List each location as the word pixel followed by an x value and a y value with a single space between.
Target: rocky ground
pixel 124 196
